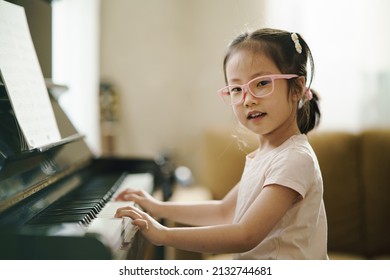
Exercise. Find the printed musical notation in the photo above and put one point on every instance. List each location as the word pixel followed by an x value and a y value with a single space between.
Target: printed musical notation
pixel 23 79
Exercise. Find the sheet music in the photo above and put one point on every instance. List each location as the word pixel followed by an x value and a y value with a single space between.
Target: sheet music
pixel 23 79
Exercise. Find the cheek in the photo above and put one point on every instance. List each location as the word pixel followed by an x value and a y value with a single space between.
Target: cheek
pixel 239 112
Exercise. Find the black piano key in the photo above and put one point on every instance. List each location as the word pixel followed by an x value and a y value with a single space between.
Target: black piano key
pixel 61 219
pixel 76 208
pixel 82 205
pixel 91 203
pixel 69 212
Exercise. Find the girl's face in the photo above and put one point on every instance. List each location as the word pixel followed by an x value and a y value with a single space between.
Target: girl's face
pixel 273 115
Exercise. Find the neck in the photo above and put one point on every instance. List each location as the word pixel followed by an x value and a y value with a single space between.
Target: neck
pixel 277 137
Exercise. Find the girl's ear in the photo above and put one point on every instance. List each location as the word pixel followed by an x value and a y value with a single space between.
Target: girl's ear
pixel 299 88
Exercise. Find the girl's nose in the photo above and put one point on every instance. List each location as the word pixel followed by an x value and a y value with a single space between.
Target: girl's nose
pixel 249 99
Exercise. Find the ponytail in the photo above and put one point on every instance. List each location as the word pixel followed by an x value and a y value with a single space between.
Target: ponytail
pixel 309 115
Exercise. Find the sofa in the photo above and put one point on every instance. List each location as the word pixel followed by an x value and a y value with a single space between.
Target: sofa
pixel 356 175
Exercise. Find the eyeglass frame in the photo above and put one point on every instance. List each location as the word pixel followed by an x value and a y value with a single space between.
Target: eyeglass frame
pixel 245 87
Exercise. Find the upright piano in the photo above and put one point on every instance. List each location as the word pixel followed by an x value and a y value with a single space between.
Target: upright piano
pixel 58 202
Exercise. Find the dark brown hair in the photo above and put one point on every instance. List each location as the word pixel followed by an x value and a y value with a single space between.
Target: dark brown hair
pixel 279 46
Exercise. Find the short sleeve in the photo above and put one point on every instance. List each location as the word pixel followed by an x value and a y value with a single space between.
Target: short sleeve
pixel 292 168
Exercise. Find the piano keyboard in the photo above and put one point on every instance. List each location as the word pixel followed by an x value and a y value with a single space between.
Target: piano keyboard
pixel 119 232
pixel 93 207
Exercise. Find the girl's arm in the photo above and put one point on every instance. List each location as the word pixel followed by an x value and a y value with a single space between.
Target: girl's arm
pixel 265 212
pixel 190 213
pixel 201 213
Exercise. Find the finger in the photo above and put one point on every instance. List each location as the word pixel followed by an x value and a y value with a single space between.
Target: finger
pixel 125 208
pixel 126 197
pixel 121 195
pixel 132 197
pixel 122 212
pixel 141 224
pixel 139 211
pixel 128 194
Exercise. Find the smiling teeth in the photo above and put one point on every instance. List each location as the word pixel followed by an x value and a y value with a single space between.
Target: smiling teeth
pixel 252 116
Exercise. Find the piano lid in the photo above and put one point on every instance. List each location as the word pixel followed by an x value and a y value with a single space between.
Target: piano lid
pixel 24 172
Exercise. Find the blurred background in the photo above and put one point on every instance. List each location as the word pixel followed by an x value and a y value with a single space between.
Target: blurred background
pixel 142 76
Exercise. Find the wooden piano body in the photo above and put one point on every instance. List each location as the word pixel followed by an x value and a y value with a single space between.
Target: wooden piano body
pixel 51 199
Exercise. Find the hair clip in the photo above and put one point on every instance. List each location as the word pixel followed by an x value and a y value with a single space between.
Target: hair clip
pixel 295 39
pixel 308 94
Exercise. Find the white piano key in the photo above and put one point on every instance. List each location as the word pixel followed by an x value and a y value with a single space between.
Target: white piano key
pixel 119 231
pixel 142 181
pixel 111 207
pixel 110 229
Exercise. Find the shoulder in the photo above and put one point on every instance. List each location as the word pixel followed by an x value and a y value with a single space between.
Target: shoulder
pixel 296 149
pixel 294 165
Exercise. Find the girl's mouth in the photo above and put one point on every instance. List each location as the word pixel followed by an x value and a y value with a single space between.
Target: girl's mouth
pixel 255 115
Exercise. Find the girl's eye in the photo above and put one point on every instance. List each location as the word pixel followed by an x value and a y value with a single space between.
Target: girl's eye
pixel 263 83
pixel 235 90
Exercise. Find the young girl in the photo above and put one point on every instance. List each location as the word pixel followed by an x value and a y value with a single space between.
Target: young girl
pixel 276 211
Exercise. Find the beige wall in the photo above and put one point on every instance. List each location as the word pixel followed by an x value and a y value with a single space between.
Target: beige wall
pixel 165 58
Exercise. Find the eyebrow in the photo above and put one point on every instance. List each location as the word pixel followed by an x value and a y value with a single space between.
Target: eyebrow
pixel 258 74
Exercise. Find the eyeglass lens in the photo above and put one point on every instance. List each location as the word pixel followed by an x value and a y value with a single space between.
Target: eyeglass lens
pixel 259 87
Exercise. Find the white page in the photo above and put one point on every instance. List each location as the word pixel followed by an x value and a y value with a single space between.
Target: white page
pixel 23 79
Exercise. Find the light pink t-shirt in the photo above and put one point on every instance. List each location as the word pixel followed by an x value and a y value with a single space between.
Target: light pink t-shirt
pixel 302 232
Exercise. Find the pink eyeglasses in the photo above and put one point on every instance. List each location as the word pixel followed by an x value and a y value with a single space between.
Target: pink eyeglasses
pixel 258 87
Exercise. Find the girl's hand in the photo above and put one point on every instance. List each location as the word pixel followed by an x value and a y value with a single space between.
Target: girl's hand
pixel 142 198
pixel 150 228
